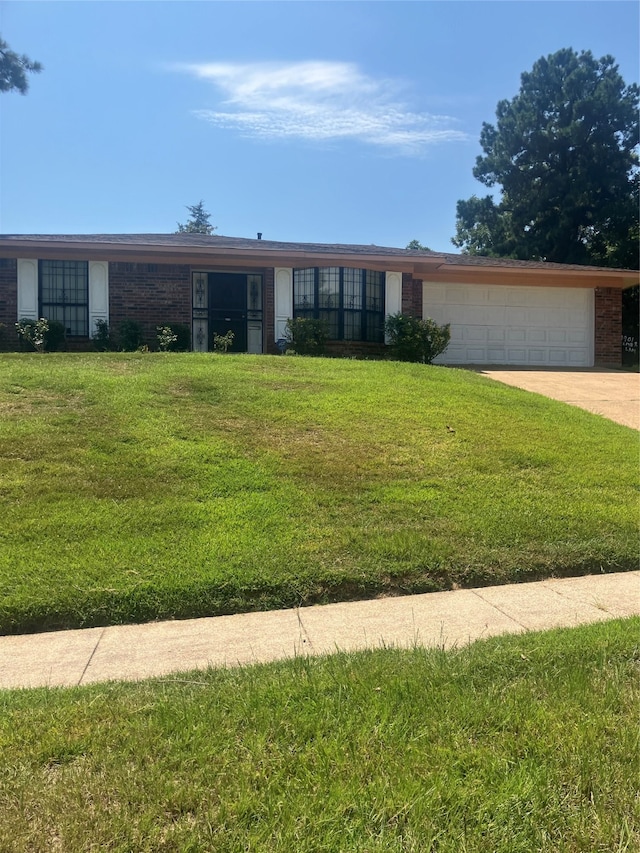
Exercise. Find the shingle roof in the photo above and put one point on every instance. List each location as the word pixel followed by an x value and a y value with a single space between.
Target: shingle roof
pixel 215 241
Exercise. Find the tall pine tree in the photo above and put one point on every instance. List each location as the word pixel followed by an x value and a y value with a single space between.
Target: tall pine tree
pixel 199 223
pixel 563 153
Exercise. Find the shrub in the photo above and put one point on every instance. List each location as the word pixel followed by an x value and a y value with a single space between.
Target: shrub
pixel 33 332
pixel 306 336
pixel 221 343
pixel 55 338
pixel 413 339
pixel 182 342
pixel 130 335
pixel 166 338
pixel 102 337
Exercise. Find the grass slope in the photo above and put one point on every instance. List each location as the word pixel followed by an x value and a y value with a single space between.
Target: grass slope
pixel 136 486
pixel 510 745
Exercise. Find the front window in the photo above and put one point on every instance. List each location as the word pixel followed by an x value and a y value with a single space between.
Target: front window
pixel 350 301
pixel 64 294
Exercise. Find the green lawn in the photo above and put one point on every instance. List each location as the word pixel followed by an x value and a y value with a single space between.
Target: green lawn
pixel 511 745
pixel 138 486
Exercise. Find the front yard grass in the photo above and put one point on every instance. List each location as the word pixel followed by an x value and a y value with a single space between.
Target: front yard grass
pixel 143 486
pixel 510 745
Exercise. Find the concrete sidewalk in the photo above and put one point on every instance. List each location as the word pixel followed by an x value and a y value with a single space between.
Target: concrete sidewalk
pixel 132 652
pixel 614 394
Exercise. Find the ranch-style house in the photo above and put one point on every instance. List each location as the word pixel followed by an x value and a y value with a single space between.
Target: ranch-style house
pixel 502 312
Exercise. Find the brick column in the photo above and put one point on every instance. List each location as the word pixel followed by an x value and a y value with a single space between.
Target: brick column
pixel 411 295
pixel 8 303
pixel 608 326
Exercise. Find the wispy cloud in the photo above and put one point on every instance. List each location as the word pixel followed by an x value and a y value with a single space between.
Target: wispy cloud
pixel 318 101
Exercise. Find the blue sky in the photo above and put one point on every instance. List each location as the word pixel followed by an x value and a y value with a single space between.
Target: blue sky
pixel 349 122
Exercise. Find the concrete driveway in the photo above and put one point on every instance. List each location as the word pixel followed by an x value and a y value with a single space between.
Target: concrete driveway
pixel 614 394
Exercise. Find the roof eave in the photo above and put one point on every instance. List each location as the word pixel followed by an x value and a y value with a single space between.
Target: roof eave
pixel 261 256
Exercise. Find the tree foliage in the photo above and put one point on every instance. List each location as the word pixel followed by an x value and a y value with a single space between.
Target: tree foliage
pixel 14 69
pixel 564 154
pixel 198 223
pixel 417 246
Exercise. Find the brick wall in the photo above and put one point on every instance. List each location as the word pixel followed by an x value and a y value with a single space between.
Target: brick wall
pixel 411 295
pixel 608 326
pixel 8 303
pixel 153 294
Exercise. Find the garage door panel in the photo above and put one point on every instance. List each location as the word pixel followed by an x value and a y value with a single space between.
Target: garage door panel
pixel 515 316
pixel 473 334
pixel 496 356
pixel 496 324
pixel 576 336
pixel 574 298
pixel 457 296
pixel 536 356
pixel 516 356
pixel 497 334
pixel 437 294
pixel 537 317
pixel 477 355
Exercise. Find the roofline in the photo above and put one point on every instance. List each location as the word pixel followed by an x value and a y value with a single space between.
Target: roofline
pixel 114 250
pixel 430 266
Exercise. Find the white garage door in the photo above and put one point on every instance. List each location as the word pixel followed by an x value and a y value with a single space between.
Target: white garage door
pixel 495 324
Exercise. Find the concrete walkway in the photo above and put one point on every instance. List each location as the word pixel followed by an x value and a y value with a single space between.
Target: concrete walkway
pixel 614 394
pixel 132 652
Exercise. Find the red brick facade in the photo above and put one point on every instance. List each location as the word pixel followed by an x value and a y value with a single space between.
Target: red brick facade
pixel 153 294
pixel 608 326
pixel 411 295
pixel 8 304
pixel 160 294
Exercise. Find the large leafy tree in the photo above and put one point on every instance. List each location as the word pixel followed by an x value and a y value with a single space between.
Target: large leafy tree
pixel 14 69
pixel 198 223
pixel 564 153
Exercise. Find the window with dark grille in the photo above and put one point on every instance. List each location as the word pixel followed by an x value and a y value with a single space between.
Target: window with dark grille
pixel 350 301
pixel 64 294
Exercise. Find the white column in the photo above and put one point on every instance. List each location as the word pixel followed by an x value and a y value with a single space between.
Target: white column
pixel 392 295
pixel 27 290
pixel 283 301
pixel 98 294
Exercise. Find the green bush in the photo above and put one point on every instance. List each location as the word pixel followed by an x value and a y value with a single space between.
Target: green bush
pixel 166 338
pixel 221 343
pixel 55 338
pixel 130 335
pixel 413 339
pixel 102 340
pixel 306 336
pixel 182 342
pixel 33 332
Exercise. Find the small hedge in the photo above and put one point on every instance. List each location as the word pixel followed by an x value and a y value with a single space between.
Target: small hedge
pixel 412 339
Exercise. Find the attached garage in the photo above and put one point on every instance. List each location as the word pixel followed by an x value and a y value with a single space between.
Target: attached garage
pixel 494 324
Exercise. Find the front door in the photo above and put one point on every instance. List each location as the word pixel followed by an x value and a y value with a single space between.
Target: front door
pixel 228 308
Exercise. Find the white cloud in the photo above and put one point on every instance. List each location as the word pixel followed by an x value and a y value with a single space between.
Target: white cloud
pixel 318 101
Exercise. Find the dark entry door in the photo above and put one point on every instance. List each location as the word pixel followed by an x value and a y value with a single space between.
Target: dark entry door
pixel 228 308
